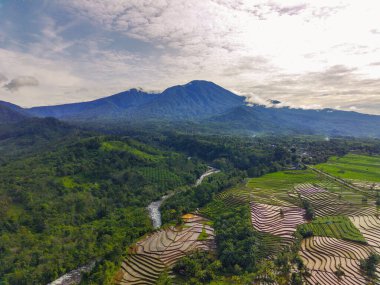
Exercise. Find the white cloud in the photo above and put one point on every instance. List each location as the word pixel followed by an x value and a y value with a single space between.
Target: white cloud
pixel 294 51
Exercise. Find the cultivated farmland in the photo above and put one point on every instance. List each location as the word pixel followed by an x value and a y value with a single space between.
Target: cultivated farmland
pixel 275 220
pixel 354 167
pixel 346 226
pixel 324 256
pixel 158 252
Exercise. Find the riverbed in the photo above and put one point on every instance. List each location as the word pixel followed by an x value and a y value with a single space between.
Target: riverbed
pixel 154 207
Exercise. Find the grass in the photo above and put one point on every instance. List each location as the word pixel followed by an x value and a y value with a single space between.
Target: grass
pixel 339 227
pixel 68 182
pixel 353 167
pixel 203 235
pixel 71 183
pixel 121 146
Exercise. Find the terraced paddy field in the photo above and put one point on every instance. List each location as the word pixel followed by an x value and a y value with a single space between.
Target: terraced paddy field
pixel 354 167
pixel 328 203
pixel 158 252
pixel 339 227
pixel 275 220
pixel 369 226
pixel 271 189
pixel 346 228
pixel 323 256
pixel 285 189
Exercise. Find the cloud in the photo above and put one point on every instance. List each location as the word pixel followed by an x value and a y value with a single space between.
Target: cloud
pixel 21 81
pixel 248 64
pixel 291 10
pixel 3 78
pixel 300 52
pixel 337 85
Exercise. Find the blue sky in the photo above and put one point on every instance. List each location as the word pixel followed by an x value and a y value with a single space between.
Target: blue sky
pixel 310 54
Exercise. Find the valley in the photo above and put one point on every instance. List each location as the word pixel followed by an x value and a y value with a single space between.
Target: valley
pixel 174 142
pixel 173 208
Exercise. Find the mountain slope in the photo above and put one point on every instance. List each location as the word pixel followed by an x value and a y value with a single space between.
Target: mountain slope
pixel 193 100
pixel 112 106
pixel 10 113
pixel 32 135
pixel 286 120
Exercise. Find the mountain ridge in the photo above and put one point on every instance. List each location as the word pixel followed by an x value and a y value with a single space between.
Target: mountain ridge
pixel 10 113
pixel 208 104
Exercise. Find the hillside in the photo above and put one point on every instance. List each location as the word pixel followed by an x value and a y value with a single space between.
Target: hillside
pixel 10 113
pixel 83 202
pixel 328 122
pixel 30 135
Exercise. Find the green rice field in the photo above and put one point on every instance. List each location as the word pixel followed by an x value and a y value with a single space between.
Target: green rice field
pixel 339 227
pixel 353 167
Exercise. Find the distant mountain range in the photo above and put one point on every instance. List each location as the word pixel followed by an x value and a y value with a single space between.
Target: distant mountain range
pixel 205 104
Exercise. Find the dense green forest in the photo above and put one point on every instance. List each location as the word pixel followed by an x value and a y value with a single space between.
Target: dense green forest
pixel 81 203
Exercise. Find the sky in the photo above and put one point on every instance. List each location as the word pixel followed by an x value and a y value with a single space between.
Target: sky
pixel 308 54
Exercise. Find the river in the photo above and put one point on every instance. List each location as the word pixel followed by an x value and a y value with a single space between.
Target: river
pixel 74 276
pixel 154 207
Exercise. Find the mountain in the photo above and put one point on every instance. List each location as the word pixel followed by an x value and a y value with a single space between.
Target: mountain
pixel 205 106
pixel 197 99
pixel 10 113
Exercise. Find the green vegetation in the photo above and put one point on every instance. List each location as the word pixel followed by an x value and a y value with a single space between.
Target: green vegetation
pixel 309 210
pixel 339 227
pixel 237 243
pixel 81 199
pixel 203 235
pixel 131 147
pixel 353 167
pixel 196 197
pixel 274 188
pixel 35 135
pixel 199 267
pixel 369 265
pixel 82 203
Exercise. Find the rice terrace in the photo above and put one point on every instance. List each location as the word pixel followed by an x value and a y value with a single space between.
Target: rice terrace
pixel 331 211
pixel 328 214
